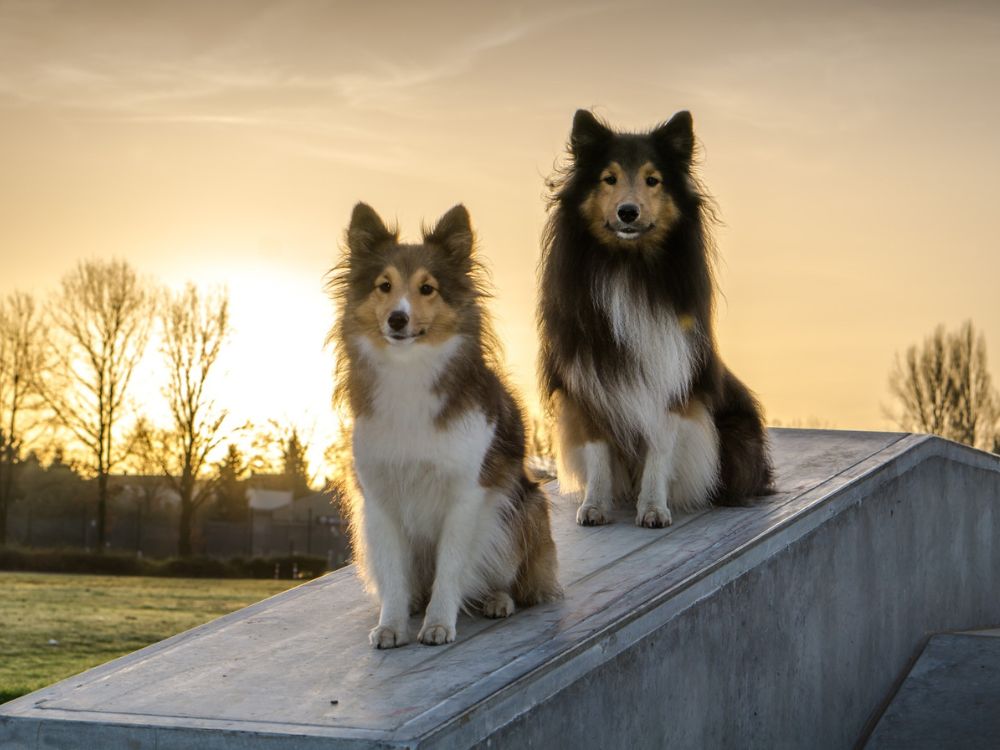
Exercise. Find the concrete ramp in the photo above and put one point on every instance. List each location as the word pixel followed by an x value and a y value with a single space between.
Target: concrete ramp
pixel 950 699
pixel 786 624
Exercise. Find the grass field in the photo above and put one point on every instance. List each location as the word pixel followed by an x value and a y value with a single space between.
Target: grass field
pixel 54 625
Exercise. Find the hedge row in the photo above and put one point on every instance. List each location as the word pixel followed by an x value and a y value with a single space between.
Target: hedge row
pixel 68 561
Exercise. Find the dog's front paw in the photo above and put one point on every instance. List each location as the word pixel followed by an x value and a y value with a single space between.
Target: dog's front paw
pixel 653 518
pixel 436 635
pixel 591 515
pixel 383 636
pixel 498 604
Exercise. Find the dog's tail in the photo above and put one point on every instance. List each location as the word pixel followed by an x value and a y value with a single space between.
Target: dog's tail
pixel 745 462
pixel 536 580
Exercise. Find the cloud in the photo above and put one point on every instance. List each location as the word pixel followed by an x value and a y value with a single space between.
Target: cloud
pixel 815 75
pixel 237 78
pixel 389 84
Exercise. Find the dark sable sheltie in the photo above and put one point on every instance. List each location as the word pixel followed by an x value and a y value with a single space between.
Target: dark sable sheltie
pixel 446 514
pixel 647 411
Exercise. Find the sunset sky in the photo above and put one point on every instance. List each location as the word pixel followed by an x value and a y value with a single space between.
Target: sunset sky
pixel 852 148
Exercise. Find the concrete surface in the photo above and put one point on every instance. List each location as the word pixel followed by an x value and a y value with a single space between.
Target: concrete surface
pixel 950 699
pixel 781 625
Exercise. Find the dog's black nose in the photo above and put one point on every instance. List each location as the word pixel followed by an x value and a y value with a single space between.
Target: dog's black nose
pixel 628 212
pixel 398 320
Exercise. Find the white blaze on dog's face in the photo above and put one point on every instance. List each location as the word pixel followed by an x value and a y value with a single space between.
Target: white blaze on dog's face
pixel 629 206
pixel 406 310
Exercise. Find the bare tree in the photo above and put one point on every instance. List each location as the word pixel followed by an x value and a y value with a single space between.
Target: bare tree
pixel 99 325
pixel 279 458
pixel 147 483
pixel 944 387
pixel 195 328
pixel 267 448
pixel 277 448
pixel 974 404
pixel 920 382
pixel 20 358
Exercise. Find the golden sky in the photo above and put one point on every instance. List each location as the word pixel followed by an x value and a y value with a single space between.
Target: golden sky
pixel 852 149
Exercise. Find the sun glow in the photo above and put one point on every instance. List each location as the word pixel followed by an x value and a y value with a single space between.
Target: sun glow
pixel 225 144
pixel 274 367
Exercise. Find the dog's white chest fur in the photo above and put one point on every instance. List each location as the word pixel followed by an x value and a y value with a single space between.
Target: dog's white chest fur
pixel 406 461
pixel 657 341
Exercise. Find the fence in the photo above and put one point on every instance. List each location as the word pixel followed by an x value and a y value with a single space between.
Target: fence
pixel 131 529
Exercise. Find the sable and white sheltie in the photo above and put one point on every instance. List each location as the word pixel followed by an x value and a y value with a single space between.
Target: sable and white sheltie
pixel 647 412
pixel 446 515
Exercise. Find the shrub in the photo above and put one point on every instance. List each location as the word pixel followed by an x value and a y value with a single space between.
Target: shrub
pixel 72 561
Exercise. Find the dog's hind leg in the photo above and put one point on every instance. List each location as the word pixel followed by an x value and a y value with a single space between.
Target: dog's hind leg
pixel 499 574
pixel 536 579
pixel 498 604
pixel 696 460
pixel 745 462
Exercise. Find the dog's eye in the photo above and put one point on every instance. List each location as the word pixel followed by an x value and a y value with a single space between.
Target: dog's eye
pixel 385 287
pixel 426 289
pixel 652 181
pixel 609 180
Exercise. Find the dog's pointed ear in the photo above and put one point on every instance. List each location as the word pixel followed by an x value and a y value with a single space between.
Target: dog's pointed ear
pixel 676 137
pixel 453 232
pixel 367 230
pixel 588 132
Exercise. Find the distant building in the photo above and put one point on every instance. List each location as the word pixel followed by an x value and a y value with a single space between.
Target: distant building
pixel 309 525
pixel 268 500
pixel 318 508
pixel 152 488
